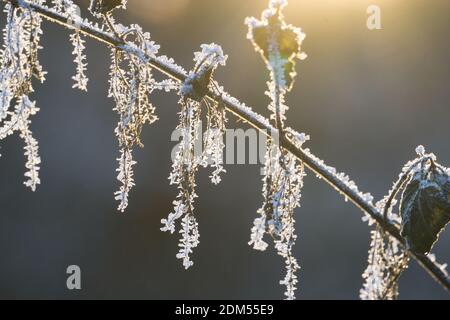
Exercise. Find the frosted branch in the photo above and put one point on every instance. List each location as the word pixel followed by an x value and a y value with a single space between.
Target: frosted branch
pixel 288 140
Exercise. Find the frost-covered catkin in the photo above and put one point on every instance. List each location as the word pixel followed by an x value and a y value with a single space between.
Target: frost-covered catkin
pixel 131 83
pixel 191 152
pixel 32 154
pixel 19 64
pixel 386 262
pixel 125 176
pixel 387 259
pixel 80 78
pixel 279 45
pixel 214 144
pixel 282 185
pixel 72 11
pixel 185 167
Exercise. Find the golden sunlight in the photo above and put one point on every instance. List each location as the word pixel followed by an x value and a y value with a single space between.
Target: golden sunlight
pixel 158 11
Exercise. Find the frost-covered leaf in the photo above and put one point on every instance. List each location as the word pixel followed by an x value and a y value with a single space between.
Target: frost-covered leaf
pixel 197 83
pixel 278 42
pixel 425 208
pixel 421 213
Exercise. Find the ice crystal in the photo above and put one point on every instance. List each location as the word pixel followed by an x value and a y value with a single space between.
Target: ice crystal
pixel 442 267
pixel 188 158
pixel 70 9
pixel 170 64
pixel 420 150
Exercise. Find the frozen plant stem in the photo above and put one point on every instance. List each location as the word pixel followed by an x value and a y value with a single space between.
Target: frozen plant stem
pixel 279 45
pixel 247 115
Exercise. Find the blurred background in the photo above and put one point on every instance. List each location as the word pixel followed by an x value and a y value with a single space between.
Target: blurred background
pixel 367 98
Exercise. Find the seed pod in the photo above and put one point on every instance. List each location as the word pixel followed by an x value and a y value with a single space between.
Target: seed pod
pixel 425 208
pixel 101 7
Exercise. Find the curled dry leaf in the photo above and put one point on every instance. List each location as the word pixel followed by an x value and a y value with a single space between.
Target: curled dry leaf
pixel 425 208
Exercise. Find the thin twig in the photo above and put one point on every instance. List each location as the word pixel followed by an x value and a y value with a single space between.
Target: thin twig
pixel 259 122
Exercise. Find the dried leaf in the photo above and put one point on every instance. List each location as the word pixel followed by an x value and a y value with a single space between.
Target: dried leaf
pixel 425 208
pixel 286 39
